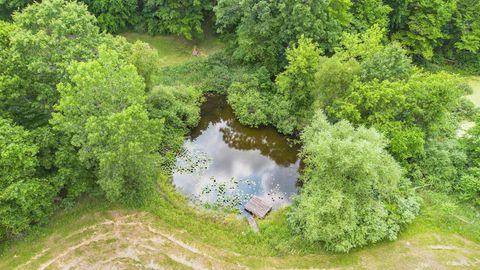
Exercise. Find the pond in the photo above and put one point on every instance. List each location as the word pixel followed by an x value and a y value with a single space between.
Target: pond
pixel 224 163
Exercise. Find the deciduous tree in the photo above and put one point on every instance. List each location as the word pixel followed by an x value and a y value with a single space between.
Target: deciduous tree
pixel 353 191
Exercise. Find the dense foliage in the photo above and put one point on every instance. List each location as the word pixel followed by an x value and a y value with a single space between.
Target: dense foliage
pixel 262 30
pixel 75 117
pixel 110 125
pixel 354 193
pixel 24 197
pixel 266 28
pixel 183 18
pixel 41 43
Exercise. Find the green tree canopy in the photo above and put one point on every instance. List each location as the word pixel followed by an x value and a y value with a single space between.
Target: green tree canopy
pixel 407 112
pixel 268 27
pixel 181 17
pixel 297 83
pixel 46 37
pixel 24 198
pixel 102 111
pixel 420 25
pixel 367 13
pixel 353 191
pixel 114 15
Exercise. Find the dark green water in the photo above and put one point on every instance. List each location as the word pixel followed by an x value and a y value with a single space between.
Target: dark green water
pixel 225 163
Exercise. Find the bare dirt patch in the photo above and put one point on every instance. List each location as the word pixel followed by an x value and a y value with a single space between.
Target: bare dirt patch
pixel 133 241
pixel 123 242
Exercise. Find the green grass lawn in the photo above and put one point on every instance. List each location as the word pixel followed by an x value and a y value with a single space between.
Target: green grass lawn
pixel 174 50
pixel 475 84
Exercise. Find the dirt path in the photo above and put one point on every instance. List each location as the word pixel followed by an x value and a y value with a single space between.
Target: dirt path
pixel 124 243
pixel 132 241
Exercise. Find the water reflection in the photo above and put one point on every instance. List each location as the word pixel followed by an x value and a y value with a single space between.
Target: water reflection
pixel 241 161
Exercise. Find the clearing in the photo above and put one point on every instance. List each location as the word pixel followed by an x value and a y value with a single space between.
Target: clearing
pixel 174 49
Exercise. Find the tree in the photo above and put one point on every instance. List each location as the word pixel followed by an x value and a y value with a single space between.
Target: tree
pixel 228 15
pixel 419 25
pixel 466 33
pixel 125 145
pixel 249 98
pixel 407 112
pixel 179 107
pixel 268 27
pixel 391 63
pixel 44 39
pixel 114 15
pixel 367 13
pixel 140 54
pixel 8 6
pixel 361 46
pixel 24 198
pixel 353 191
pixel 333 80
pixel 102 112
pixel 180 17
pixel 297 83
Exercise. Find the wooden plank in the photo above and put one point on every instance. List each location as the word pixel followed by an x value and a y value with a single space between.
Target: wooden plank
pixel 253 224
pixel 258 207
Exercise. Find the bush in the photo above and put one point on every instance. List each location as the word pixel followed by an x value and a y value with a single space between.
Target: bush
pixel 354 193
pixel 25 199
pixel 469 186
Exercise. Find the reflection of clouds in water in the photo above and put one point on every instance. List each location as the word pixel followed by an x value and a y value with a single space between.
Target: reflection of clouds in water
pixel 274 182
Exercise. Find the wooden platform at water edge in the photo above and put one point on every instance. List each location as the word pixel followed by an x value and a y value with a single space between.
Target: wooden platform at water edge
pixel 258 207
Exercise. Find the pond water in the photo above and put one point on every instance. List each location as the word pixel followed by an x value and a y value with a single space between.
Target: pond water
pixel 225 163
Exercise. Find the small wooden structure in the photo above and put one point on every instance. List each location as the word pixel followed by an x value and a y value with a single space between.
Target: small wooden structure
pixel 253 224
pixel 258 207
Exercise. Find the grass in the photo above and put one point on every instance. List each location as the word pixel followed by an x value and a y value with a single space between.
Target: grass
pixel 474 82
pixel 174 50
pixel 445 231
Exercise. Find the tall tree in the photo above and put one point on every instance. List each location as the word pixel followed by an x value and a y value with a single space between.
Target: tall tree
pixel 268 27
pixel 44 39
pixel 407 112
pixel 102 112
pixel 420 25
pixel 297 83
pixel 466 33
pixel 353 191
pixel 25 199
pixel 114 15
pixel 181 17
pixel 367 13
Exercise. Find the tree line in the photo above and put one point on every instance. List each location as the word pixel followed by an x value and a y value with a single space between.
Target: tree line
pixel 439 30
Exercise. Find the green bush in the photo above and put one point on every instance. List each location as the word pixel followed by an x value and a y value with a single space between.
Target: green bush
pixel 353 191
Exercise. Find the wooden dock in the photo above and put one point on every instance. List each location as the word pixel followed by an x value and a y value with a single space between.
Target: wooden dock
pixel 253 224
pixel 258 207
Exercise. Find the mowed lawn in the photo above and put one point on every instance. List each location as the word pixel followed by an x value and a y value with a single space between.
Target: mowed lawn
pixel 175 50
